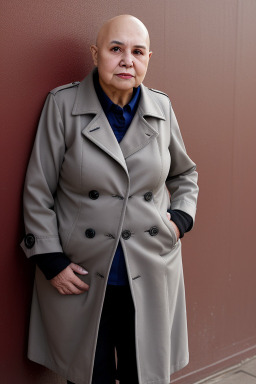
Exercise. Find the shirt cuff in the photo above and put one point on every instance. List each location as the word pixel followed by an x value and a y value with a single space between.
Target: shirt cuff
pixel 182 219
pixel 51 264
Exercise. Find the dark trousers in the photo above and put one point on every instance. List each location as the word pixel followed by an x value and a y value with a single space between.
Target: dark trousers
pixel 116 333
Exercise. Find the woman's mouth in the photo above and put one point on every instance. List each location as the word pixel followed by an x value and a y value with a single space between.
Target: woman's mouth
pixel 124 76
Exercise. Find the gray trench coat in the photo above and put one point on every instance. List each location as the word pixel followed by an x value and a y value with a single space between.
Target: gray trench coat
pixel 76 152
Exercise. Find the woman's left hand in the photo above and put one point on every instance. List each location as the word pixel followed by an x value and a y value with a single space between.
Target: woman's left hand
pixel 176 229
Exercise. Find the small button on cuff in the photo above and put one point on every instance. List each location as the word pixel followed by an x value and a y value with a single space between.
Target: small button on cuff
pixel 126 234
pixel 94 195
pixel 148 196
pixel 29 240
pixel 90 233
pixel 153 231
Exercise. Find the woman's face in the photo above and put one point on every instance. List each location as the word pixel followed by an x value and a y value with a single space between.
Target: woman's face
pixel 122 56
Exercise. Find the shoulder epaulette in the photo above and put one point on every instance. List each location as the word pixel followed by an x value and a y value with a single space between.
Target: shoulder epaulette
pixel 70 85
pixel 162 93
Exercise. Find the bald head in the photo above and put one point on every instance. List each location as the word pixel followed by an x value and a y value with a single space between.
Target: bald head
pixel 125 22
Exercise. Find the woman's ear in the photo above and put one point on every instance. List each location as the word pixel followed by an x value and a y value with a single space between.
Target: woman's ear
pixel 94 52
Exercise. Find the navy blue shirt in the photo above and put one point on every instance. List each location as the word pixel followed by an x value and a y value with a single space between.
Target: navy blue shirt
pixel 119 120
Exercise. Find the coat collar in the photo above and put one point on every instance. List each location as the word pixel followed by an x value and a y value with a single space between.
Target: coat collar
pixel 87 102
pixel 139 134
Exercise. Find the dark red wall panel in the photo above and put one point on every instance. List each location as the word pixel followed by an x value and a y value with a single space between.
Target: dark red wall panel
pixel 204 57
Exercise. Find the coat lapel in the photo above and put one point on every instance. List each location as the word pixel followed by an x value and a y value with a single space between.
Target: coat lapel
pixel 142 129
pixel 98 130
pixel 141 132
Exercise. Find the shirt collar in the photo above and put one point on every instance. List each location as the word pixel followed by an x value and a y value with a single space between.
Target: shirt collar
pixel 105 101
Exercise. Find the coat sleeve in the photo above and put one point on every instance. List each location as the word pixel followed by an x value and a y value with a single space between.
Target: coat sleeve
pixel 41 183
pixel 182 179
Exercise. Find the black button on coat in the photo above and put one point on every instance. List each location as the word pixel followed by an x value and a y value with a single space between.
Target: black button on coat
pixel 153 231
pixel 29 241
pixel 126 234
pixel 94 195
pixel 90 233
pixel 148 196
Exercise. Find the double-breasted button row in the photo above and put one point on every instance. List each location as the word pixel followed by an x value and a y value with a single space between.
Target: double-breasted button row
pixel 94 195
pixel 153 231
pixel 126 234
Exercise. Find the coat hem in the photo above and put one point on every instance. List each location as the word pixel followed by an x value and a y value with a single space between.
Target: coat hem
pixel 56 369
pixel 160 381
pixel 63 373
pixel 180 365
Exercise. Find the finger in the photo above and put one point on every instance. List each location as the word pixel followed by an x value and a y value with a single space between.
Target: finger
pixel 75 291
pixel 72 290
pixel 78 269
pixel 81 285
pixel 168 215
pixel 176 229
pixel 62 291
pixel 67 283
pixel 72 287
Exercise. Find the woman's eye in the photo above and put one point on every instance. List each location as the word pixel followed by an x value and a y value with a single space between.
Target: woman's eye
pixel 115 49
pixel 137 52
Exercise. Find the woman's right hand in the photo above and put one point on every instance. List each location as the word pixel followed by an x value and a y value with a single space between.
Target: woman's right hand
pixel 67 283
pixel 176 229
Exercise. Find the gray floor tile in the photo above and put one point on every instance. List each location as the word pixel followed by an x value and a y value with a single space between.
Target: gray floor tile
pixel 250 367
pixel 235 378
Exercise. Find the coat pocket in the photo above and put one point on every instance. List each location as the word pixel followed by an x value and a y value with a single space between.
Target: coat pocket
pixel 164 239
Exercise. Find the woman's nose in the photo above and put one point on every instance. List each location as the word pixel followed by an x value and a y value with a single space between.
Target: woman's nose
pixel 127 60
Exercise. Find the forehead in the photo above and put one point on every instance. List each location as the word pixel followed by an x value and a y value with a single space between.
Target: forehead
pixel 126 33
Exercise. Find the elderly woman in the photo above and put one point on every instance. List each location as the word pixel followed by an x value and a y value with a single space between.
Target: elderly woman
pixel 109 191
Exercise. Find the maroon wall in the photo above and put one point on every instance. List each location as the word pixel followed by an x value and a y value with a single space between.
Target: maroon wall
pixel 204 57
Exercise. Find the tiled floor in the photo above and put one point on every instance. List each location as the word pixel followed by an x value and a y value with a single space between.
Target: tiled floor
pixel 244 373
